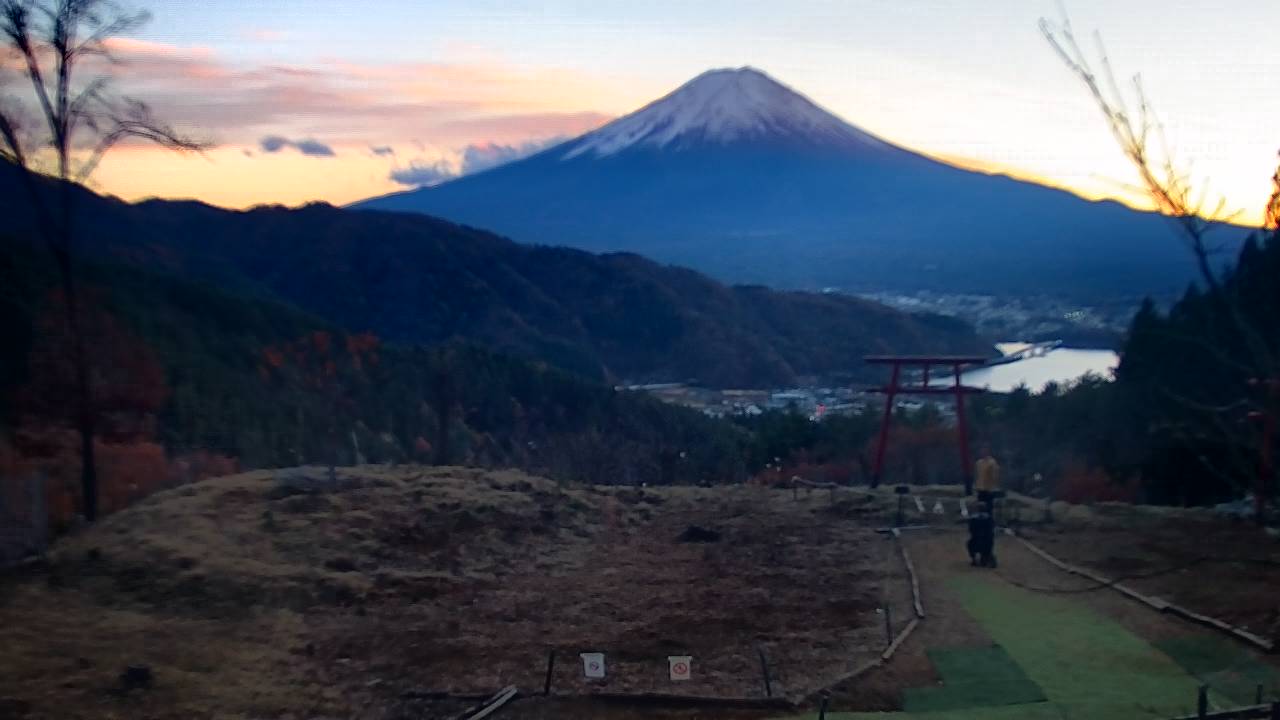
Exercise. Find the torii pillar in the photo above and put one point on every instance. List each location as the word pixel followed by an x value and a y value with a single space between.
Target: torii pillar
pixel 954 365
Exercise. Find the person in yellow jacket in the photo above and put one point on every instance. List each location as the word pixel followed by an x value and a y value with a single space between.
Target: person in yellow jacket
pixel 981 545
pixel 986 473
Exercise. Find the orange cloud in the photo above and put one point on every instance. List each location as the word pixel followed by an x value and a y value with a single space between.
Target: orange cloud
pixel 429 113
pixel 135 48
pixel 443 104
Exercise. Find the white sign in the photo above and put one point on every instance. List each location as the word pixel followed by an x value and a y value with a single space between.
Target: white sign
pixel 681 666
pixel 938 509
pixel 964 510
pixel 919 504
pixel 593 665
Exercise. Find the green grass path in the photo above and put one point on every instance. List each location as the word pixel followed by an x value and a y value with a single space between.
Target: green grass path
pixel 1223 666
pixel 1087 665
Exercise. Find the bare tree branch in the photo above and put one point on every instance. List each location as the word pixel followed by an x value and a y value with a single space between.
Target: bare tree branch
pixel 1272 213
pixel 15 24
pixel 82 123
pixel 1173 193
pixel 136 121
pixel 10 129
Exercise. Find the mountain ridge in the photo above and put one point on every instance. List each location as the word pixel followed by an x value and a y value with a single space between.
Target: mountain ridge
pixel 415 279
pixel 860 216
pixel 724 106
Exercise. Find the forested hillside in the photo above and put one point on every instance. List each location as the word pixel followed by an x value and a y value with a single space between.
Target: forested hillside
pixel 1184 421
pixel 415 279
pixel 189 379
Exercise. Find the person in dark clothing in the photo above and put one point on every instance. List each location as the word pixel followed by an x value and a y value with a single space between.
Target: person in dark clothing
pixel 982 535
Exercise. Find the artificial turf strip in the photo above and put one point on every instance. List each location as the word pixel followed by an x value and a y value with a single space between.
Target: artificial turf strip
pixel 1225 667
pixel 973 677
pixel 1088 665
pixel 1036 711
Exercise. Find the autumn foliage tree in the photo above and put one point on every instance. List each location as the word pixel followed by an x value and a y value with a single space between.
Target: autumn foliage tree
pixel 327 366
pixel 128 393
pixel 128 381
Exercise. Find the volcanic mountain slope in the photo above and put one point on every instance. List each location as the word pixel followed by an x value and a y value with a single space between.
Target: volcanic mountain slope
pixel 738 176
pixel 414 279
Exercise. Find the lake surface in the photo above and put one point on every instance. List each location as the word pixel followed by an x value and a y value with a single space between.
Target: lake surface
pixel 1060 366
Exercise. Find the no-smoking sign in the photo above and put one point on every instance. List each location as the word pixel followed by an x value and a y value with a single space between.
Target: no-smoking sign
pixel 681 666
pixel 593 665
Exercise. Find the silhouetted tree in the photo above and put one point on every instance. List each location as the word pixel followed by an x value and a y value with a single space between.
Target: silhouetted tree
pixel 444 397
pixel 1232 336
pixel 70 123
pixel 332 367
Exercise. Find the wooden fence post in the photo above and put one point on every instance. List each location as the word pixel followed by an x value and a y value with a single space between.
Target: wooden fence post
pixel 551 666
pixel 888 626
pixel 764 669
pixel 822 709
pixel 1202 702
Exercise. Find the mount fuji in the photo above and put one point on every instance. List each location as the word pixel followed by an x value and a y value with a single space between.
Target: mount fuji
pixel 741 177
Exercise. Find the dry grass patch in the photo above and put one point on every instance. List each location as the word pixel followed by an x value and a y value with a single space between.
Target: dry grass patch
pixel 275 594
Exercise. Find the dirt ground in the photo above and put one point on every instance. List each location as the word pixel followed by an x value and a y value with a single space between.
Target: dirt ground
pixel 290 596
pixel 939 557
pixel 1171 553
pixel 1225 569
pixel 286 595
pixel 1211 564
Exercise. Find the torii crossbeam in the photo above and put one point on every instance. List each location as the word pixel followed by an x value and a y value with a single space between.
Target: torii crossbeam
pixel 952 365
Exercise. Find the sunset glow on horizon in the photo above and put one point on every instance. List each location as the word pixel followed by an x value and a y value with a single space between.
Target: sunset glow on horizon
pixel 322 101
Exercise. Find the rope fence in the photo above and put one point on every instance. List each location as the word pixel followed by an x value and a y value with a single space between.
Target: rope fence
pixel 917 604
pixel 1154 603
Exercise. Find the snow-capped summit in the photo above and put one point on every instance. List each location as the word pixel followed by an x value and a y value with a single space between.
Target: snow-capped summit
pixel 720 107
pixel 741 177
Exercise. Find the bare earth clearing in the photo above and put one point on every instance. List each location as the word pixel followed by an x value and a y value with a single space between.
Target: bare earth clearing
pixel 1227 569
pixel 285 595
pixel 264 596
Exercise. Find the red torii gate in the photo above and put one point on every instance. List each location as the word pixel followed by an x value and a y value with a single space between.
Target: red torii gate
pixel 894 388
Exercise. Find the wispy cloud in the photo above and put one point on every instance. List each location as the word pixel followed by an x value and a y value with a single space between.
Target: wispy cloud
pixel 473 158
pixel 484 156
pixel 421 173
pixel 313 148
pixel 381 126
pixel 307 146
pixel 347 103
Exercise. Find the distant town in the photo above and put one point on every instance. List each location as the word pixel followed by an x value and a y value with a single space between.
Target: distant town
pixel 815 402
pixel 1030 318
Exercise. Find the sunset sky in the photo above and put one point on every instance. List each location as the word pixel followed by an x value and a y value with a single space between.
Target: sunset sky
pixel 325 100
